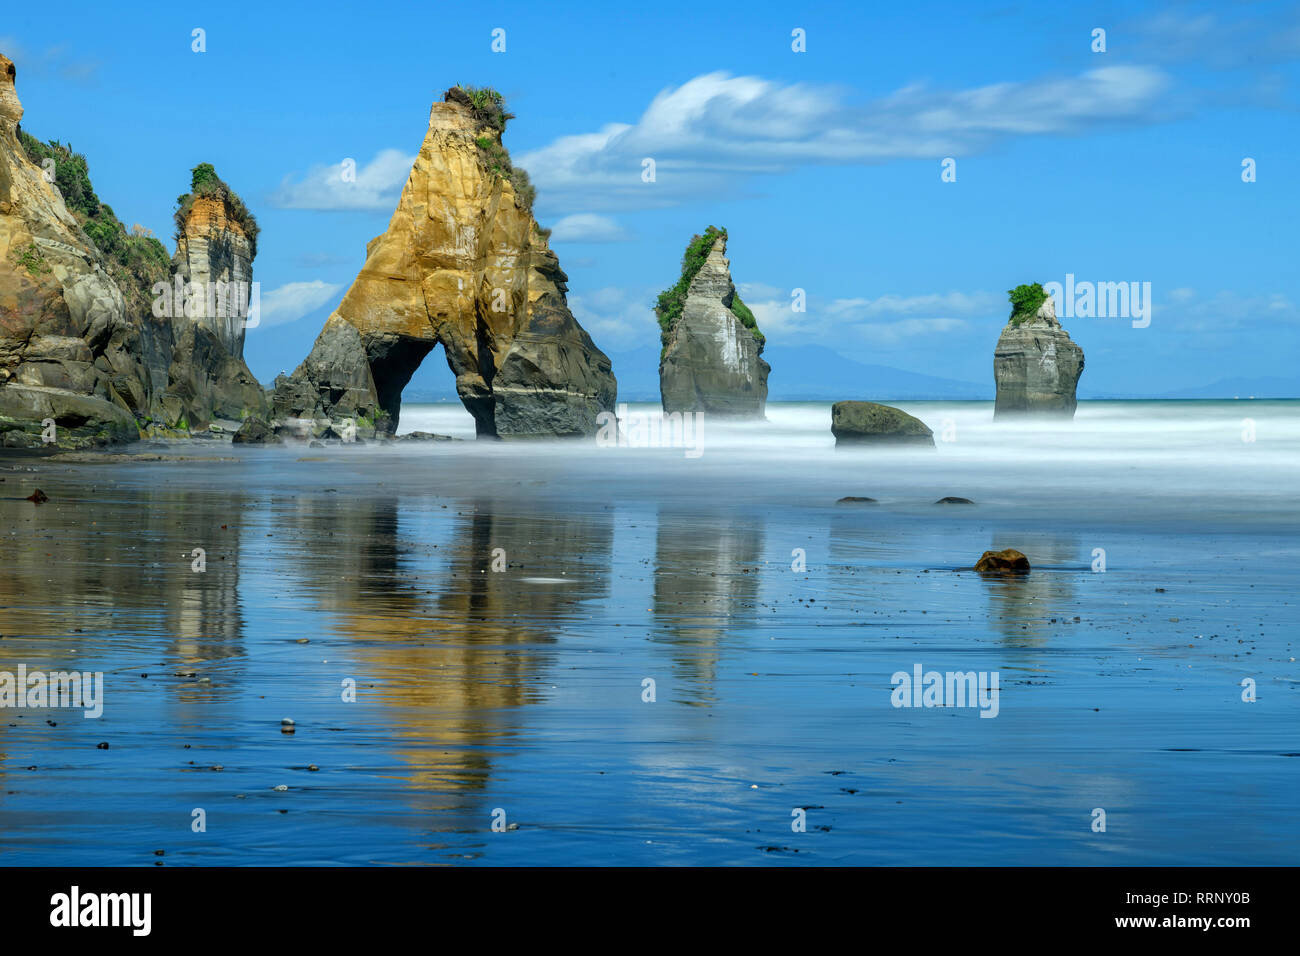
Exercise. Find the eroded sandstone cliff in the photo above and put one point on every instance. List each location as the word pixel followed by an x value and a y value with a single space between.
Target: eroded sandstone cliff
pixel 462 264
pixel 216 240
pixel 80 345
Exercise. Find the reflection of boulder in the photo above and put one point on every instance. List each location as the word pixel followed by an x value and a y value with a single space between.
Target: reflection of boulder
pixel 706 580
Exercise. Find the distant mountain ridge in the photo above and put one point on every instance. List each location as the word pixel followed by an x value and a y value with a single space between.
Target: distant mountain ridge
pixel 817 373
pixel 808 373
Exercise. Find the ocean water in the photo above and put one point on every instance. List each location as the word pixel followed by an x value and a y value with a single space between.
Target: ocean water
pixel 353 590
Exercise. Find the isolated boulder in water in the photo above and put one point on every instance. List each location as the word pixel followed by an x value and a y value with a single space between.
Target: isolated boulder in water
pixel 869 422
pixel 463 264
pixel 712 361
pixel 1007 561
pixel 1036 366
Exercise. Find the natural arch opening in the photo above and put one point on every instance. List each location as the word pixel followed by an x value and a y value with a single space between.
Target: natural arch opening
pixel 419 392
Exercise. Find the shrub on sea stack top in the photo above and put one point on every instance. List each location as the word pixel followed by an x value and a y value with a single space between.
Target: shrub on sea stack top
pixel 1026 300
pixel 869 422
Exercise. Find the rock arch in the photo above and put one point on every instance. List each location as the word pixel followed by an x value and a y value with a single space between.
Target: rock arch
pixel 462 264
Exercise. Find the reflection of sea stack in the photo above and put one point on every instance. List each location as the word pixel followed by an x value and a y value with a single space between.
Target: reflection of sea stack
pixel 1035 364
pixel 712 348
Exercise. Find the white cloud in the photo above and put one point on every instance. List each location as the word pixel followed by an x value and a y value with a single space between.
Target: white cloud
pixel 588 227
pixel 294 300
pixel 716 129
pixel 617 318
pixel 1185 310
pixel 377 185
pixel 880 322
pixel 55 59
pixel 961 303
pixel 1222 40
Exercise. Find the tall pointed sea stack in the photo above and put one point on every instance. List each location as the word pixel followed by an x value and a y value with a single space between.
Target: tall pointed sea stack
pixel 216 240
pixel 463 263
pixel 712 348
pixel 1035 365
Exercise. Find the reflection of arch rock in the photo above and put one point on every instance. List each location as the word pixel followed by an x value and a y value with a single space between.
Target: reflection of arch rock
pixel 453 667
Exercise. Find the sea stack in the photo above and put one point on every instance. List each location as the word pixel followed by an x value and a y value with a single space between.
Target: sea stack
pixel 216 240
pixel 712 348
pixel 462 263
pixel 86 355
pixel 1035 365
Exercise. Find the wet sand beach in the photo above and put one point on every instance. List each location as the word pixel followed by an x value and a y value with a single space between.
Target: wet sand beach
pixel 769 617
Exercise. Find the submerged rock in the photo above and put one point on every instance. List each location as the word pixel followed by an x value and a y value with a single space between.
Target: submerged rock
pixel 425 436
pixel 1036 366
pixel 462 264
pixel 712 359
pixel 954 500
pixel 1006 561
pixel 256 431
pixel 855 500
pixel 869 422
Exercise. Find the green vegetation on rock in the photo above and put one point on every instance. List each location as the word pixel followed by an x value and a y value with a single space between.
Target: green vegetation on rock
pixel 32 259
pixel 206 184
pixel 672 301
pixel 135 262
pixel 487 105
pixel 489 110
pixel 1026 300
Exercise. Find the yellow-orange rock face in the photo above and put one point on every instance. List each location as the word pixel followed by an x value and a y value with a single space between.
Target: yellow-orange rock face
pixel 463 264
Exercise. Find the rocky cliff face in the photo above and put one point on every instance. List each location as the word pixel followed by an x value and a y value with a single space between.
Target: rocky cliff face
pixel 1036 367
pixel 214 252
pixel 462 264
pixel 63 331
pixel 78 341
pixel 711 362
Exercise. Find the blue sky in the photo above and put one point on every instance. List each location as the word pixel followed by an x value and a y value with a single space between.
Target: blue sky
pixel 824 165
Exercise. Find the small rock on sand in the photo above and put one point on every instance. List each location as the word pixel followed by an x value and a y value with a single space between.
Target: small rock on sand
pixel 1006 561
